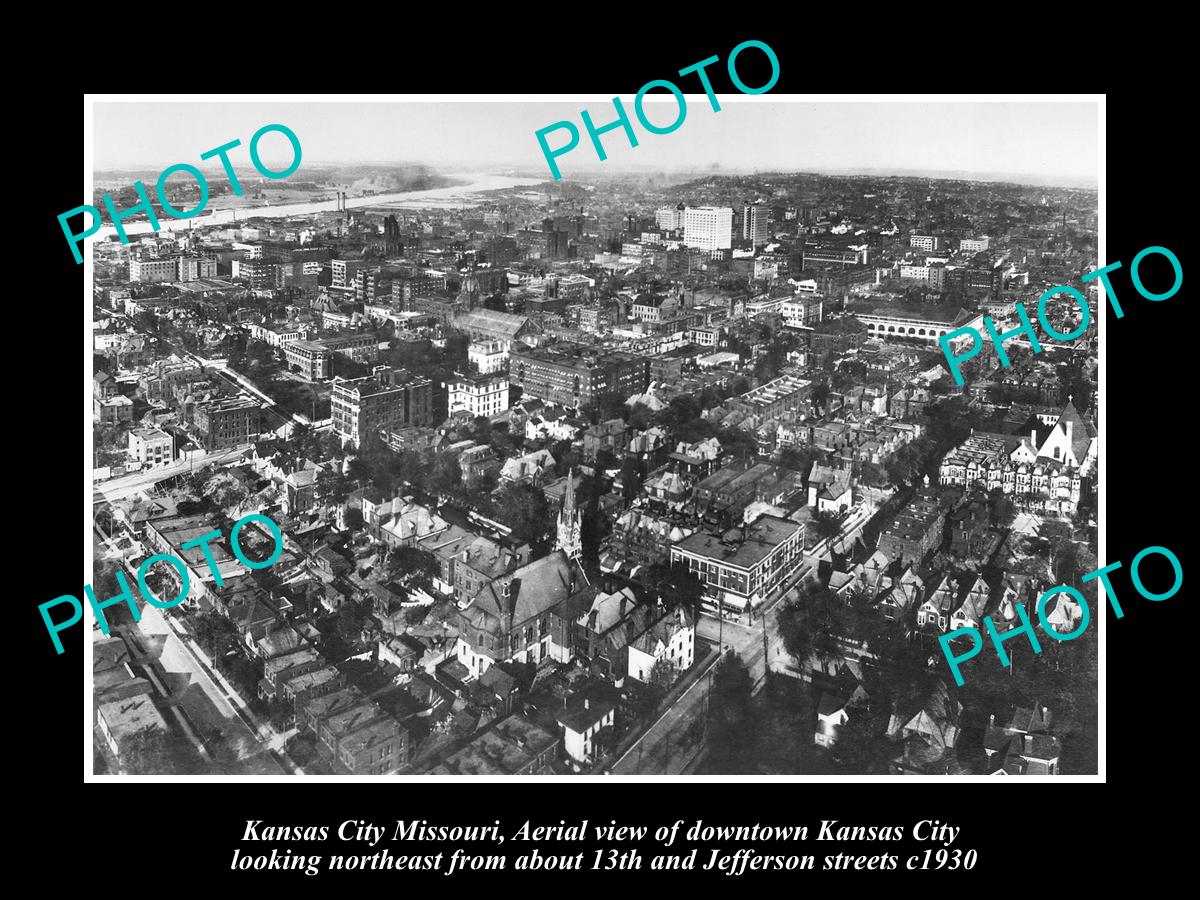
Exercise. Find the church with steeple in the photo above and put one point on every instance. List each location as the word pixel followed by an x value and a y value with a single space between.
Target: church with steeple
pixel 569 539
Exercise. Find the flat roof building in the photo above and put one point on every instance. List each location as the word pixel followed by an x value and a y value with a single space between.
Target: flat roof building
pixel 743 567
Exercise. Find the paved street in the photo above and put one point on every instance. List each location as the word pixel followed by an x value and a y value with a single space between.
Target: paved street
pixel 675 738
pixel 207 705
pixel 674 742
pixel 128 485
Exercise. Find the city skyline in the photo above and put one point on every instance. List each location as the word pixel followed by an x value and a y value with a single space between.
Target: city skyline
pixel 976 140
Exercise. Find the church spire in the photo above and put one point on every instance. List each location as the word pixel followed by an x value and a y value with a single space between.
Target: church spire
pixel 569 539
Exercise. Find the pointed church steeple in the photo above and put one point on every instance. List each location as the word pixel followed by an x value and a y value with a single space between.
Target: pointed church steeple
pixel 569 539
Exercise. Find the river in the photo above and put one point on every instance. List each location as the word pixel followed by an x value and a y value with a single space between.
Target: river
pixel 459 195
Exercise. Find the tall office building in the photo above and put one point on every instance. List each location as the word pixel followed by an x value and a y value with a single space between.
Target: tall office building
pixel 708 227
pixel 754 223
pixel 669 218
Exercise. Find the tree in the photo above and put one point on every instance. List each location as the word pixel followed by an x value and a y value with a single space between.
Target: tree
pixel 455 352
pixel 640 416
pixel 798 459
pixel 214 633
pixel 820 393
pixel 730 716
pixel 1001 509
pixel 675 585
pixel 654 687
pixel 224 491
pixel 524 509
pixel 446 475
pixel 332 486
pixel 826 524
pixel 631 477
pixel 411 562
pixel 812 624
pixel 741 444
pixel 872 474
pixel 481 429
pixel 681 409
pixel 861 746
pixel 565 457
pixel 280 714
pixel 609 405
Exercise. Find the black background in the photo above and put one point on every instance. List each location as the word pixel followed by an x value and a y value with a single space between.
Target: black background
pixel 1035 832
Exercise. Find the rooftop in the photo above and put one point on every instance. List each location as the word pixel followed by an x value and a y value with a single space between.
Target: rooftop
pixel 742 548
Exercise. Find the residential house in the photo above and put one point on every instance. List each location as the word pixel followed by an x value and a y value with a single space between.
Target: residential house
pixel 532 468
pixel 927 732
pixel 933 615
pixel 670 640
pixel 829 489
pixel 584 723
pixel 611 436
pixel 839 696
pixel 513 746
pixel 1024 746
pixel 972 606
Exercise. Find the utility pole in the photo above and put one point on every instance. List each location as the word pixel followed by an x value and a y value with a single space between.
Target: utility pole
pixel 766 649
pixel 720 621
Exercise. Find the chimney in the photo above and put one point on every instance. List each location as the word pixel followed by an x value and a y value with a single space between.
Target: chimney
pixel 624 601
pixel 586 703
pixel 592 616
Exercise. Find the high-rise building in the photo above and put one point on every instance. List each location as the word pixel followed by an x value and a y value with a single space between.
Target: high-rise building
pixel 146 269
pixel 344 271
pixel 383 400
pixel 754 223
pixel 258 274
pixel 366 285
pixel 708 227
pixel 392 243
pixel 557 241
pixel 192 268
pixel 669 218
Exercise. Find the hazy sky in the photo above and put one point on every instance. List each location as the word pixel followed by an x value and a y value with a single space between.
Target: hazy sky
pixel 1042 139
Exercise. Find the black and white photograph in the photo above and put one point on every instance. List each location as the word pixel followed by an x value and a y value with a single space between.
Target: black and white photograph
pixel 423 447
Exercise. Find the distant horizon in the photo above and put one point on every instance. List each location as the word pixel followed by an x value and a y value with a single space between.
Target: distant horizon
pixel 1025 179
pixel 1023 142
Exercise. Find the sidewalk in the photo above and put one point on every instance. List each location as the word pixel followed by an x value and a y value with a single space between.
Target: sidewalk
pixel 695 674
pixel 268 737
